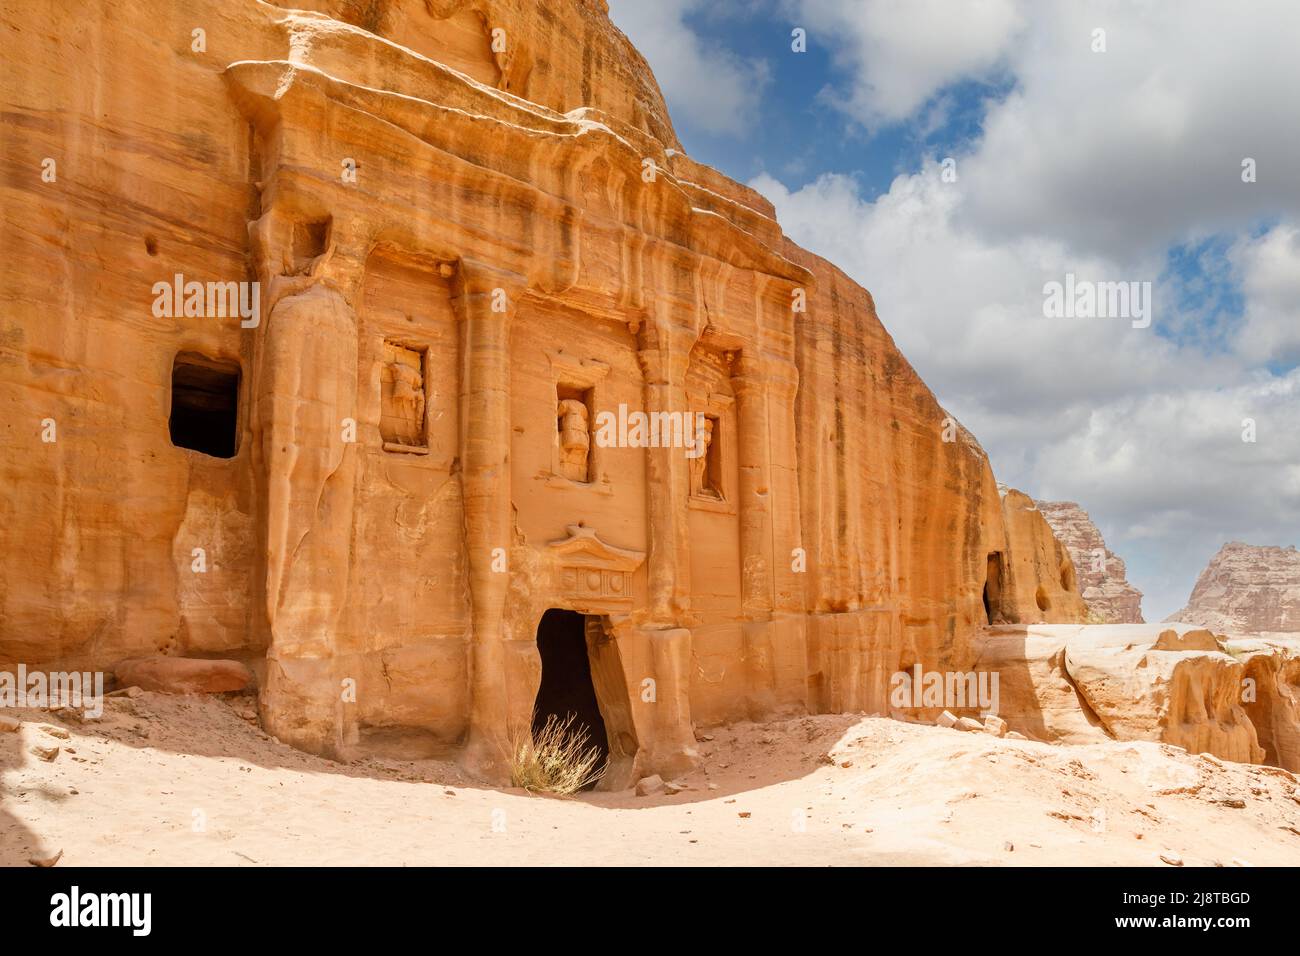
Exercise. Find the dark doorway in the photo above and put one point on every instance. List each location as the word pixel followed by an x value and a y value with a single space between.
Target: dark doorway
pixel 205 404
pixel 993 589
pixel 566 678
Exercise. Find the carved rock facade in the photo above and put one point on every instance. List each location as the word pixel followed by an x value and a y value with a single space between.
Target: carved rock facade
pixel 474 234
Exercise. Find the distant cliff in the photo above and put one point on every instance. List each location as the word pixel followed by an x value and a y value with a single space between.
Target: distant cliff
pixel 1247 589
pixel 1101 572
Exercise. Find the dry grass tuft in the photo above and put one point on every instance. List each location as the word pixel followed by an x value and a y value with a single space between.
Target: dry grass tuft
pixel 555 759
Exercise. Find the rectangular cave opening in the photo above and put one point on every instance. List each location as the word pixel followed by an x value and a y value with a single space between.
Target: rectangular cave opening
pixel 205 404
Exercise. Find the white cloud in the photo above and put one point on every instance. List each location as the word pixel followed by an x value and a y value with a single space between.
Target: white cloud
pixel 903 52
pixel 1270 268
pixel 714 89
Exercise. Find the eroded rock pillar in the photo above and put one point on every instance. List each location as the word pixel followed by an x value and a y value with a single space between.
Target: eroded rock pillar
pixel 304 394
pixel 485 301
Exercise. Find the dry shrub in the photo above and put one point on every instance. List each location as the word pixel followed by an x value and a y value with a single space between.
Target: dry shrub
pixel 555 759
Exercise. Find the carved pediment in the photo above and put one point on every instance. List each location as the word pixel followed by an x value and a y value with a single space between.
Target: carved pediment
pixel 591 573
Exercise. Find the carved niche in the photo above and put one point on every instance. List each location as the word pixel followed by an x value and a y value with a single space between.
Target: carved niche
pixel 402 400
pixel 591 576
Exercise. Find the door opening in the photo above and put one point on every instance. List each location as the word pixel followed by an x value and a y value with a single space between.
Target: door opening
pixel 566 686
pixel 993 590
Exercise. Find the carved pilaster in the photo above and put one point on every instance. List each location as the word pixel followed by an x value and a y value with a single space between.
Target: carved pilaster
pixel 664 353
pixel 485 301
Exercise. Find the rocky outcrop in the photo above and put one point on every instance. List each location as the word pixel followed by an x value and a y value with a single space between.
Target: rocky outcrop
pixel 1101 572
pixel 1235 699
pixel 1247 589
pixel 182 675
pixel 1271 696
pixel 1031 579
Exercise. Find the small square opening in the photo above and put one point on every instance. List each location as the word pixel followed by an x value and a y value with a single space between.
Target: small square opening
pixel 205 404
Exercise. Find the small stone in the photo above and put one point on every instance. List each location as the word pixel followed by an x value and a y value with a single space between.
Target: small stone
pixel 995 725
pixel 57 732
pixel 743 814
pixel 1009 846
pixel 1235 803
pixel 648 785
pixel 45 860
pixel 1015 735
pixel 969 724
pixel 132 692
pixel 1172 858
pixel 846 764
pixel 45 753
pixel 946 719
pixel 674 786
pixel 9 726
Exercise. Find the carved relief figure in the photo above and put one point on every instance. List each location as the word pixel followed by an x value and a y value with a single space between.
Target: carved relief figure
pixel 575 439
pixel 402 416
pixel 702 483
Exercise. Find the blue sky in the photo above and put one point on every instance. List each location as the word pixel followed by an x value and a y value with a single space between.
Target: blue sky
pixel 1096 137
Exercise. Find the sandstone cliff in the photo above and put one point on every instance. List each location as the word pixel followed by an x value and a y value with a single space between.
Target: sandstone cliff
pixel 1106 591
pixel 1247 589
pixel 460 216
pixel 1038 583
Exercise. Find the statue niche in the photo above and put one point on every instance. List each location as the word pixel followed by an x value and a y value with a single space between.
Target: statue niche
pixel 705 466
pixel 573 428
pixel 401 419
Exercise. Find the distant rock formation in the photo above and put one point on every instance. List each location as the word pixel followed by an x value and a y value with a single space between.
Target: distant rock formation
pixel 1247 589
pixel 1101 572
pixel 1032 580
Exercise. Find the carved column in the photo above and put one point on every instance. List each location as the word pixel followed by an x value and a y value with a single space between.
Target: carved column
pixel 485 301
pixel 664 354
pixel 755 492
pixel 304 387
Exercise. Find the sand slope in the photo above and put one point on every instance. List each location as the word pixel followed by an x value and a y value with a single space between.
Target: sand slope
pixel 187 781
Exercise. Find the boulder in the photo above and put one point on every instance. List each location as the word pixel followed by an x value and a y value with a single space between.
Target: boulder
pixel 649 785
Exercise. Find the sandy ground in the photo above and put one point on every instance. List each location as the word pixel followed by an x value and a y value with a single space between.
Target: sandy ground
pixel 187 781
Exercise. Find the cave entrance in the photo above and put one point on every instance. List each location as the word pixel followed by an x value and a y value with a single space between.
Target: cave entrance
pixel 567 686
pixel 993 589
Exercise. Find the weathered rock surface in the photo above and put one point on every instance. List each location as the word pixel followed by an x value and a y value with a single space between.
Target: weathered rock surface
pixel 1271 696
pixel 1247 589
pixel 1037 581
pixel 1236 699
pixel 471 231
pixel 1101 573
pixel 183 675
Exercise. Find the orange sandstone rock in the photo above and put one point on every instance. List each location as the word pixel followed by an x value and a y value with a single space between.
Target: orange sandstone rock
pixel 471 229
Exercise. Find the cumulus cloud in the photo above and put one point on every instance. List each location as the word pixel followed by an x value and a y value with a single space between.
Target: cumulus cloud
pixel 686 67
pixel 1270 270
pixel 903 52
